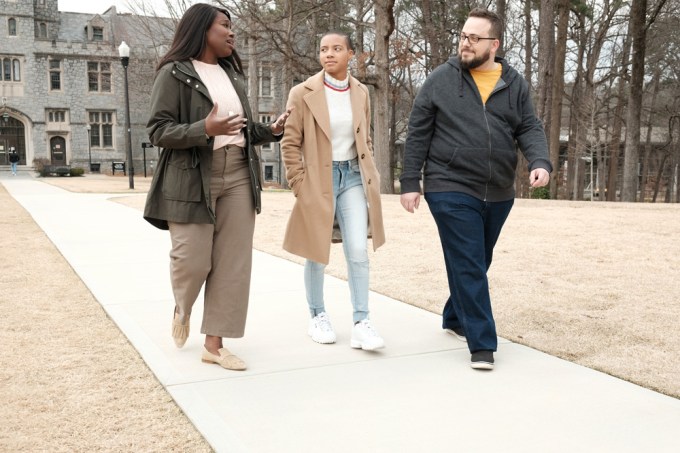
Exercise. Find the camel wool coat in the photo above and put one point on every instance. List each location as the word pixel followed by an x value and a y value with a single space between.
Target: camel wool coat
pixel 307 154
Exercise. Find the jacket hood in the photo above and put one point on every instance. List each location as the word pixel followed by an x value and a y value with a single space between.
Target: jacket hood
pixel 508 74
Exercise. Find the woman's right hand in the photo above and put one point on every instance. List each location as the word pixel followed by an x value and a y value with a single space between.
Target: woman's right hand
pixel 226 125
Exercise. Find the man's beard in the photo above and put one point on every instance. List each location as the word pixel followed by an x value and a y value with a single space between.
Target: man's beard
pixel 476 61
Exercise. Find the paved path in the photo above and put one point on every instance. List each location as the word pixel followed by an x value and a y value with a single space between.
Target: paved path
pixel 417 395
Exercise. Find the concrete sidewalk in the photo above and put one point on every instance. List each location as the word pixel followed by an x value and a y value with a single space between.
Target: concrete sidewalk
pixel 419 394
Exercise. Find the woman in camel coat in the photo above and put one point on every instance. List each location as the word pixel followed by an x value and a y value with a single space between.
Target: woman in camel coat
pixel 329 163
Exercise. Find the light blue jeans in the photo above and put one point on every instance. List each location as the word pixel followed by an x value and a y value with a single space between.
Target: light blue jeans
pixel 351 212
pixel 13 166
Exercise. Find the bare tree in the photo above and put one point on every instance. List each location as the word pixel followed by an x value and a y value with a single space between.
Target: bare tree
pixel 384 26
pixel 546 53
pixel 527 42
pixel 631 152
pixel 501 11
pixel 580 41
pixel 558 93
pixel 621 102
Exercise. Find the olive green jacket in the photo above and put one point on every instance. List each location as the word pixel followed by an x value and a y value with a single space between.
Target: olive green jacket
pixel 180 189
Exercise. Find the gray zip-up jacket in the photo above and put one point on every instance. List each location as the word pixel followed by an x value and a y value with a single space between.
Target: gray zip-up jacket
pixel 467 146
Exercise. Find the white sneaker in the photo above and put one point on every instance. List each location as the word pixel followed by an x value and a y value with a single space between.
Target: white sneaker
pixel 320 329
pixel 364 336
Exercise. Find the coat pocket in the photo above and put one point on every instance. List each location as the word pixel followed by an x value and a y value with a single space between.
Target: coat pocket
pixel 182 180
pixel 473 163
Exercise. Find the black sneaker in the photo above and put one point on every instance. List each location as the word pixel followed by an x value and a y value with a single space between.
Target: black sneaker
pixel 457 332
pixel 482 360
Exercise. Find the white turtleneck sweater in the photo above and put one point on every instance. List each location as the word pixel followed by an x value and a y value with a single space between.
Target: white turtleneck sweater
pixel 340 113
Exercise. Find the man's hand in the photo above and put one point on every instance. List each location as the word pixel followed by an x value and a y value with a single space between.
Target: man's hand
pixel 539 177
pixel 410 201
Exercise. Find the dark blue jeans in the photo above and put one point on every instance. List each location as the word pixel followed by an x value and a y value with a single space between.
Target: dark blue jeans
pixel 468 230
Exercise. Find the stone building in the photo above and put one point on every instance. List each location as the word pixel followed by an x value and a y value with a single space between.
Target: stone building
pixel 62 86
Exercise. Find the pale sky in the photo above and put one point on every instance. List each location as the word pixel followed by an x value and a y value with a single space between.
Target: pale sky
pixel 99 6
pixel 91 6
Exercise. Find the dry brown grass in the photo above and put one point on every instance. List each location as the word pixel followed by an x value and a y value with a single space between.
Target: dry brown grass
pixel 69 379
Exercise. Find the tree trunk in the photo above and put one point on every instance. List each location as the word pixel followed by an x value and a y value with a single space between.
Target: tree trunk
pixel 500 10
pixel 527 42
pixel 647 155
pixel 431 39
pixel 631 151
pixel 659 175
pixel 359 41
pixel 253 78
pixel 384 25
pixel 521 173
pixel 546 65
pixel 546 48
pixel 621 102
pixel 577 134
pixel 557 94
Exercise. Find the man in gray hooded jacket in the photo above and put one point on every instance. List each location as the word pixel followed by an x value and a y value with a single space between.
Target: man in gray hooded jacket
pixel 465 124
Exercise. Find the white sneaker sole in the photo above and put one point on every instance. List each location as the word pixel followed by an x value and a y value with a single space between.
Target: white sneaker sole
pixel 482 365
pixel 460 337
pixel 359 345
pixel 317 340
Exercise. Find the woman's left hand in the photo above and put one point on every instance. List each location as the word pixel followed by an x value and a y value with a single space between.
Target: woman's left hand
pixel 278 125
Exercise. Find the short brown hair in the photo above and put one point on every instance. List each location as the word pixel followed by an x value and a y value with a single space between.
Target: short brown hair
pixel 495 19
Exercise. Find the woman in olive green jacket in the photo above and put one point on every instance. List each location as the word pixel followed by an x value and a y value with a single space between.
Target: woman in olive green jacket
pixel 206 189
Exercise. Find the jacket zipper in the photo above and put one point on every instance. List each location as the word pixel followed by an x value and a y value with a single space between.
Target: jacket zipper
pixel 488 131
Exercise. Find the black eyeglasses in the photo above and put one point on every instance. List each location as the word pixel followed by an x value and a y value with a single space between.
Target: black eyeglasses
pixel 474 39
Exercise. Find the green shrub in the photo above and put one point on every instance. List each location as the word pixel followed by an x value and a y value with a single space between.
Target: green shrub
pixel 77 171
pixel 541 193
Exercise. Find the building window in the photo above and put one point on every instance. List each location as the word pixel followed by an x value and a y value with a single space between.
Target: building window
pixel 97 34
pixel 43 30
pixel 6 69
pixel 99 76
pixel 10 69
pixel 268 172
pixel 266 119
pixel 101 132
pixel 17 70
pixel 56 116
pixel 266 82
pixel 55 75
pixel 12 26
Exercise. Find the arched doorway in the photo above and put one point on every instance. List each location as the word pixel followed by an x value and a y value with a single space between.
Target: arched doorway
pixel 58 150
pixel 12 135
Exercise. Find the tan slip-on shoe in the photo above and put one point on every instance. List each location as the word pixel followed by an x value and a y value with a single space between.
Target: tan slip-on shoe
pixel 180 332
pixel 226 359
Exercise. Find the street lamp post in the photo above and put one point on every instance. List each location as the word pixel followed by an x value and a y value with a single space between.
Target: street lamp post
pixel 124 52
pixel 89 149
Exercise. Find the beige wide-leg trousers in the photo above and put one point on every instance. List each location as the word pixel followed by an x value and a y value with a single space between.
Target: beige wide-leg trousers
pixel 218 255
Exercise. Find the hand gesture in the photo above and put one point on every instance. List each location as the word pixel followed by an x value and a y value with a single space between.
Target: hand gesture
pixel 278 125
pixel 225 125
